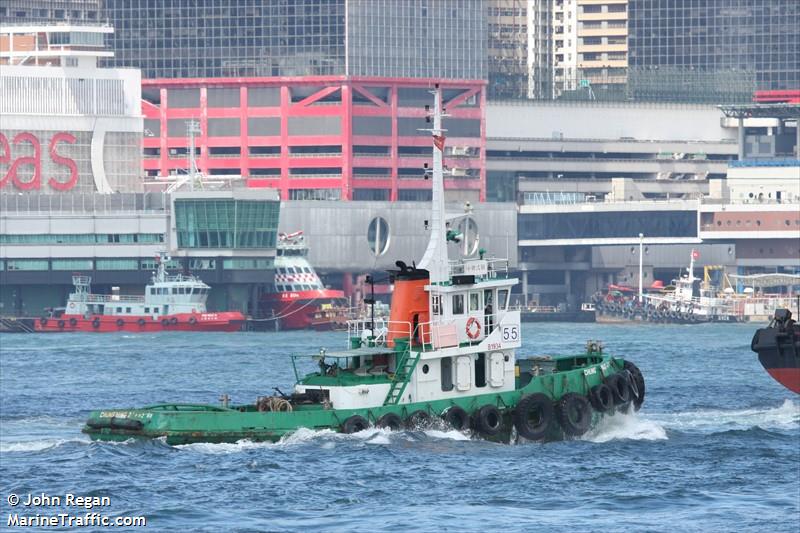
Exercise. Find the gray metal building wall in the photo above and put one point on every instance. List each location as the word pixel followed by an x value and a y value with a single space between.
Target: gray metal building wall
pixel 336 232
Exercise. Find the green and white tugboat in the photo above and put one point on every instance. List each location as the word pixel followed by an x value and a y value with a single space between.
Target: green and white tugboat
pixel 447 355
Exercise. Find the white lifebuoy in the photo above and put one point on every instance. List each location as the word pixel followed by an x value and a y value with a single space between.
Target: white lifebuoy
pixel 473 328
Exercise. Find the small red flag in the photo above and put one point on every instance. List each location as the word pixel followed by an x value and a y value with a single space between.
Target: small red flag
pixel 438 142
pixel 695 255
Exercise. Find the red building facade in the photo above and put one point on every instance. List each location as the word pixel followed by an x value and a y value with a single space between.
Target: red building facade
pixel 331 137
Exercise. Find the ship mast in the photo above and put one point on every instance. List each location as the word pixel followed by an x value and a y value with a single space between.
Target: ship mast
pixel 435 258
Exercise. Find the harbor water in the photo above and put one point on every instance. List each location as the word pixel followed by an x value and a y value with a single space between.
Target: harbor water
pixel 716 446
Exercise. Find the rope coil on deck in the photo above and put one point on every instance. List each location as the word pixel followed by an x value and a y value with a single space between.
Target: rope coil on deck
pixel 273 403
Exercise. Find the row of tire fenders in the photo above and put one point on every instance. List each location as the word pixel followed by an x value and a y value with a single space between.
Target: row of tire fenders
pixel 165 322
pixel 534 415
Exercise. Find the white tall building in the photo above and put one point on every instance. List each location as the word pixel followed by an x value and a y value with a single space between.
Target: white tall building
pixel 66 125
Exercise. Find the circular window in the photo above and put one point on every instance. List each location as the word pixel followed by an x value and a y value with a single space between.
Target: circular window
pixel 425 369
pixel 378 235
pixel 468 229
pixel 758 222
pixel 719 222
pixel 788 223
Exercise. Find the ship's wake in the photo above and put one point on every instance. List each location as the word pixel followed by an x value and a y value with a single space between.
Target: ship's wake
pixel 781 418
pixel 625 427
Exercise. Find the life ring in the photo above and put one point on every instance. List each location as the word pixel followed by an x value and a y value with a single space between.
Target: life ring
pixel 354 424
pixel 456 418
pixel 96 323
pixel 533 416
pixel 473 332
pixel 390 421
pixel 574 414
pixel 192 321
pixel 418 419
pixel 71 305
pixel 620 389
pixel 140 321
pixel 601 398
pixel 61 324
pixel 488 420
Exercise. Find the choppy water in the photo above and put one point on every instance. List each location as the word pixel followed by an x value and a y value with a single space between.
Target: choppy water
pixel 716 446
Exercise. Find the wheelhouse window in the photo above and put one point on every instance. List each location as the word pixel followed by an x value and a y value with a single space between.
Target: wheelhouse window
pixel 458 304
pixel 502 299
pixel 474 301
pixel 436 304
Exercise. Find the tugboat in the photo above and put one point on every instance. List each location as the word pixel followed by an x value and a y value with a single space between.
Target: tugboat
pixel 690 301
pixel 170 303
pixel 778 349
pixel 300 300
pixel 446 355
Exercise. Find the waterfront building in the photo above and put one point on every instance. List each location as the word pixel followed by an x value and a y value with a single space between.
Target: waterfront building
pixel 317 138
pixel 67 124
pixel 226 238
pixel 71 182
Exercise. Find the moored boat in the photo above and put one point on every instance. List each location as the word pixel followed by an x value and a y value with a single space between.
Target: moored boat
pixel 170 303
pixel 778 349
pixel 300 300
pixel 447 354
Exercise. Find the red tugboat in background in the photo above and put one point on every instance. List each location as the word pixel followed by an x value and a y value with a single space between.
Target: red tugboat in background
pixel 300 300
pixel 778 349
pixel 170 303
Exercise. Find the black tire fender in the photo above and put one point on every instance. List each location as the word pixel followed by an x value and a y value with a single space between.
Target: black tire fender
pixel 620 388
pixel 574 413
pixel 120 322
pixel 96 323
pixel 73 322
pixel 418 419
pixel 456 418
pixel 61 324
pixel 43 321
pixel 488 420
pixel 390 421
pixel 601 398
pixel 192 321
pixel 141 322
pixel 533 416
pixel 354 424
pixel 173 320
pixel 637 384
pixel 165 322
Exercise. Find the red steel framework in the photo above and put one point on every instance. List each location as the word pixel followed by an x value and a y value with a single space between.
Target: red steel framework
pixel 466 100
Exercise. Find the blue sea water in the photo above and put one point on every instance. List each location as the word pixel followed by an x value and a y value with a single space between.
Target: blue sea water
pixel 716 446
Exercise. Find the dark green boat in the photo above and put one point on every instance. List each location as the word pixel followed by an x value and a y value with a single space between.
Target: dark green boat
pixel 447 354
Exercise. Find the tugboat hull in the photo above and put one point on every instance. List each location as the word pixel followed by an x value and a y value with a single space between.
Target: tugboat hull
pixel 227 321
pixel 192 423
pixel 778 349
